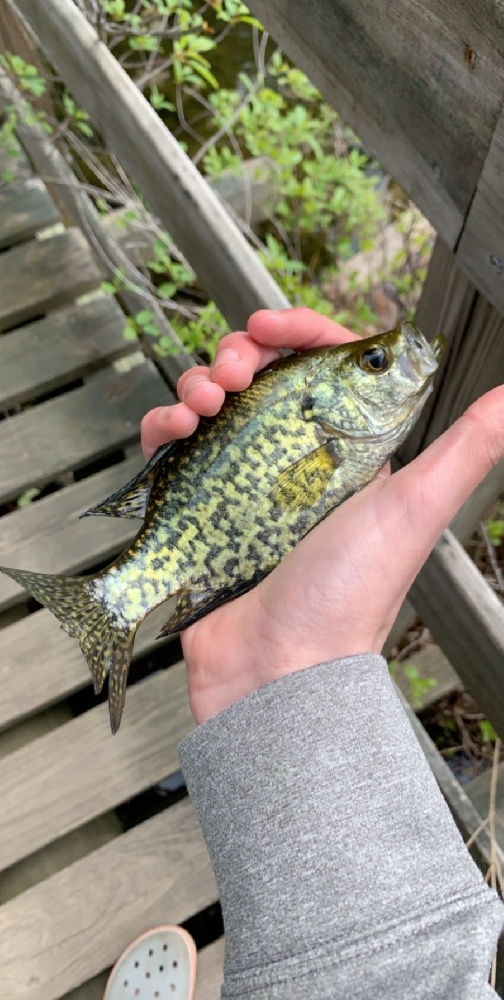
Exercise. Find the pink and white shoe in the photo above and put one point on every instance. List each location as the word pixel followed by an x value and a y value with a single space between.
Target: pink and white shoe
pixel 158 965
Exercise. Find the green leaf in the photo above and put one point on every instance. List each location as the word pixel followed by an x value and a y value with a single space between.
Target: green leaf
pixel 143 317
pixel 488 734
pixel 130 331
pixel 168 289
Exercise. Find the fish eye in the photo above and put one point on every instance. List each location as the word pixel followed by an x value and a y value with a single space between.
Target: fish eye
pixel 374 359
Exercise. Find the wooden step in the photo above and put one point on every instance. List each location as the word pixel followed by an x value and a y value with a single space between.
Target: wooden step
pixel 79 770
pixel 72 926
pixel 478 791
pixel 48 536
pixel 66 345
pixel 25 209
pixel 41 443
pixel 45 274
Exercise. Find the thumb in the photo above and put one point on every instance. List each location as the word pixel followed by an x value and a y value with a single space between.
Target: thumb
pixel 422 499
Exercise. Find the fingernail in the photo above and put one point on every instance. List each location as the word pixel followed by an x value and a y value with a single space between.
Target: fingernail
pixel 228 354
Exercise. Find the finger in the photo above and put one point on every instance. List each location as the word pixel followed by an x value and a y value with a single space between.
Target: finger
pixel 240 355
pixel 197 391
pixel 237 359
pixel 166 423
pixel 299 329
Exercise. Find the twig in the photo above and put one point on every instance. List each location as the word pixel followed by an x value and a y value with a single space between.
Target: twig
pixel 492 557
pixel 495 870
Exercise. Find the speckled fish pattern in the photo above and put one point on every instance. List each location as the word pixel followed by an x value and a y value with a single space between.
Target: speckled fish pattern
pixel 222 508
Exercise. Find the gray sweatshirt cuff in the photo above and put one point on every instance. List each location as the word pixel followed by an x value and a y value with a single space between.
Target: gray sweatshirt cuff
pixel 332 845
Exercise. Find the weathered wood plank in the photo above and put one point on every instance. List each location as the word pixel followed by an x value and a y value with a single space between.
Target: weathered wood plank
pixel 73 774
pixel 210 972
pixel 431 664
pixel 474 358
pixel 402 78
pixel 67 344
pixel 48 536
pixel 250 193
pixel 25 208
pixel 65 930
pixel 466 618
pixel 77 208
pixel 44 274
pixel 200 225
pixel 71 430
pixel 65 850
pixel 40 664
pixel 481 249
pixel 479 504
pixel 478 790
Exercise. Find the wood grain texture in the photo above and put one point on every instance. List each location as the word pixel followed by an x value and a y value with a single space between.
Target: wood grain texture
pixel 44 274
pixel 398 74
pixel 25 208
pixel 478 791
pixel 77 208
pixel 69 431
pixel 210 971
pixel 40 664
pixel 48 537
pixel 481 248
pixel 72 926
pixel 466 618
pixel 68 344
pixel 473 361
pixel 79 771
pixel 200 225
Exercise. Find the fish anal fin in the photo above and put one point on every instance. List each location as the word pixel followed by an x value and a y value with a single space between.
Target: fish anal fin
pixel 132 499
pixel 303 484
pixel 196 601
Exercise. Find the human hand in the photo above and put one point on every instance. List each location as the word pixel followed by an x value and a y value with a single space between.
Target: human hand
pixel 338 592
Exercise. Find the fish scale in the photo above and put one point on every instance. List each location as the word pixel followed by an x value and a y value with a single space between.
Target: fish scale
pixel 223 508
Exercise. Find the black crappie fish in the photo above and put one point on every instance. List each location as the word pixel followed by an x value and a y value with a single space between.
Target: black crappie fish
pixel 222 508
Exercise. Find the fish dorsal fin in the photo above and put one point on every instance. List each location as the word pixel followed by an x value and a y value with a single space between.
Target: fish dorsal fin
pixel 302 484
pixel 131 500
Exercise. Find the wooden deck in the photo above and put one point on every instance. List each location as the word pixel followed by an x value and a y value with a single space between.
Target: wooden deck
pixel 75 888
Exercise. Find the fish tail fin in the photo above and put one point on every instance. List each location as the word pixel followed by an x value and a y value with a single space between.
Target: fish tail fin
pixel 106 644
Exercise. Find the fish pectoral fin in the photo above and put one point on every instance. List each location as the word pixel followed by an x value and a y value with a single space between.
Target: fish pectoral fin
pixel 131 500
pixel 302 484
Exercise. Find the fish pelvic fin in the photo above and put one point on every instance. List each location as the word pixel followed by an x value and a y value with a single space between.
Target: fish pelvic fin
pixel 106 644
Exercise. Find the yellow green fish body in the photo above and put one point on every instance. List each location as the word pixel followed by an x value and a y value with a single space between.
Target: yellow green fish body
pixel 223 508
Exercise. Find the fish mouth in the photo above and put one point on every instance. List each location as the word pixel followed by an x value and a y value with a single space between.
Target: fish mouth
pixel 420 359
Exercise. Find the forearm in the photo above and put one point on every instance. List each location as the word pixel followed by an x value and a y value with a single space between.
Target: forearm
pixel 340 870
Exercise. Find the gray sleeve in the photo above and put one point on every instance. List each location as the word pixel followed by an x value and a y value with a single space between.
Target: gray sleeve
pixel 340 870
